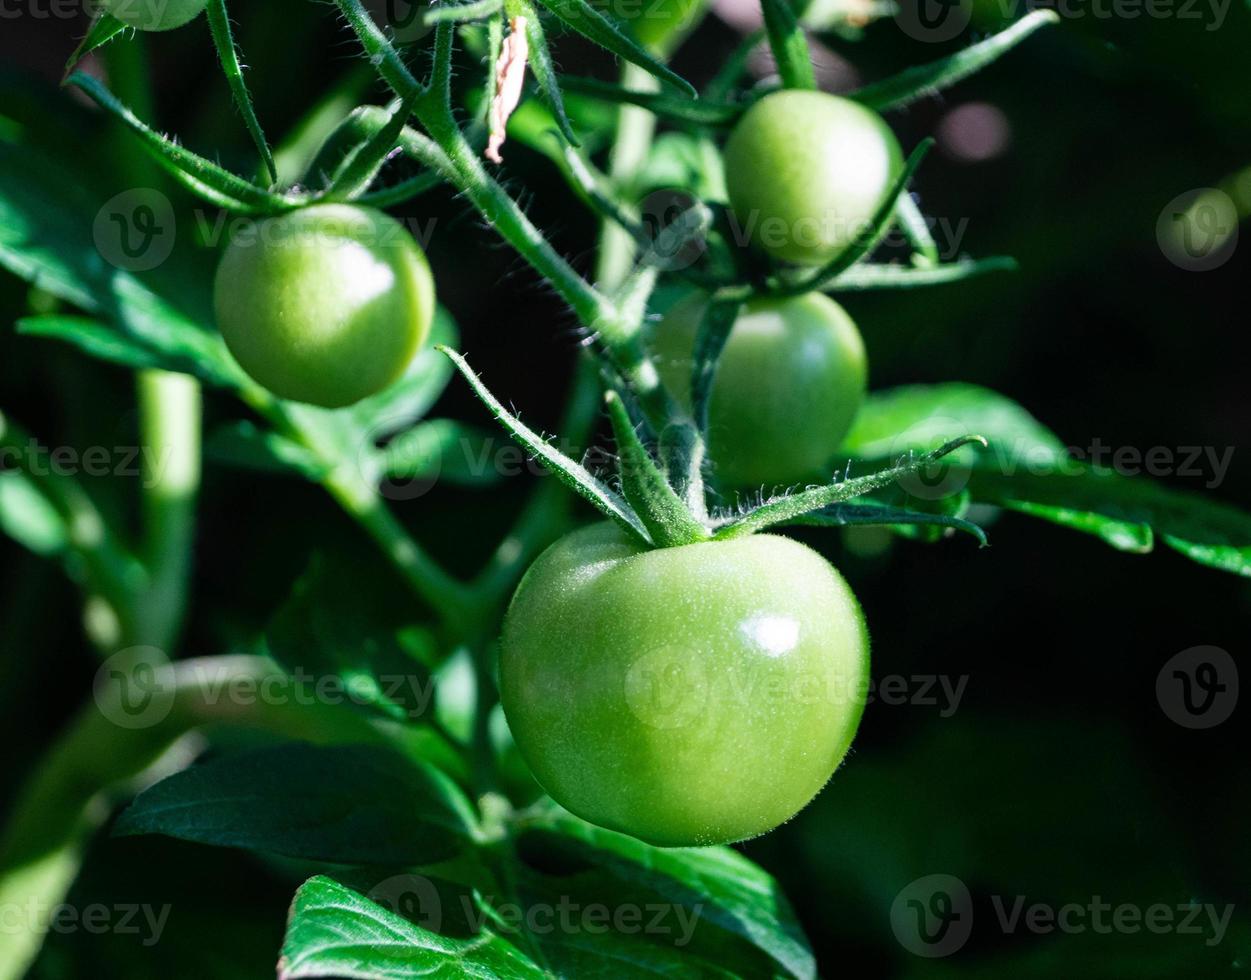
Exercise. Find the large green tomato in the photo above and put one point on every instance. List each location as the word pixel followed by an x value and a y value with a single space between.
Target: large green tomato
pixel 788 386
pixel 155 15
pixel 325 305
pixel 688 696
pixel 806 171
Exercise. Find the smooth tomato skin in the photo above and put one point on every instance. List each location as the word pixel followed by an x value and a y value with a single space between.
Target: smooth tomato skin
pixel 687 696
pixel 325 305
pixel 155 15
pixel 805 171
pixel 789 383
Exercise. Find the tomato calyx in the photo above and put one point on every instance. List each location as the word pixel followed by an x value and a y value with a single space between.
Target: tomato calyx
pixel 650 508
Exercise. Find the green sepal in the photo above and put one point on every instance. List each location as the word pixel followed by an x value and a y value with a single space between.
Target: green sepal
pixel 648 492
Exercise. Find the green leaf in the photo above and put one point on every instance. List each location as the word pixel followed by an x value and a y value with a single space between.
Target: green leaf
pixel 699 112
pixel 334 931
pixel 923 80
pixel 242 444
pixel 443 449
pixel 572 475
pixel 741 911
pixel 28 517
pixel 223 40
pixel 914 226
pixel 344 804
pixel 1028 469
pixel 868 275
pixel 668 521
pixel 789 45
pixel 785 509
pixel 330 628
pixel 214 184
pixel 848 514
pixel 363 163
pixel 97 340
pixel 714 331
pixel 103 29
pixel 582 18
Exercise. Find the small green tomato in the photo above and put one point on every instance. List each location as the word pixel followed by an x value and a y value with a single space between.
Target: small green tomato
pixel 805 172
pixel 154 15
pixel 325 305
pixel 692 695
pixel 788 386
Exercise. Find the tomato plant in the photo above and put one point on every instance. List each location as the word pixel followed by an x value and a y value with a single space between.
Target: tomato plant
pixel 327 304
pixel 456 709
pixel 787 359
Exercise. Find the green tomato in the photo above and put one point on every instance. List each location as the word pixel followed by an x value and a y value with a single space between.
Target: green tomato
pixel 788 386
pixel 805 172
pixel 325 305
pixel 155 15
pixel 687 696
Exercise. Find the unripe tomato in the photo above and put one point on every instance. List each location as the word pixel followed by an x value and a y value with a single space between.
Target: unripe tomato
pixel 155 15
pixel 688 696
pixel 325 305
pixel 788 386
pixel 805 172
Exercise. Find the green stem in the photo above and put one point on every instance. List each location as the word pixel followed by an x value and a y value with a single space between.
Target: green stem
pixel 169 422
pixel 223 39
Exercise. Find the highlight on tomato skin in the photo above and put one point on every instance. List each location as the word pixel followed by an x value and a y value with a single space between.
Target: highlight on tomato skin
pixel 325 305
pixel 687 696
pixel 806 171
pixel 789 384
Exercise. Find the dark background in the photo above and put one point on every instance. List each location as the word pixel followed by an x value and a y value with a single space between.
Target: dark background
pixel 1059 777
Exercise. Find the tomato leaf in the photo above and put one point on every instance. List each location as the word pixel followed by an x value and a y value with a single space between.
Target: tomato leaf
pixel 1029 470
pixel 582 18
pixel 334 930
pixel 28 517
pixel 710 340
pixel 657 505
pixel 364 162
pixel 545 71
pixel 443 449
pixel 848 514
pixel 347 804
pixel 699 113
pixel 910 219
pixel 924 80
pixel 743 924
pixel 789 44
pixel 98 340
pixel 246 446
pixel 573 475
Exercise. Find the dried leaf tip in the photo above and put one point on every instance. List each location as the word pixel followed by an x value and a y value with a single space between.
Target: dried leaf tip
pixel 510 76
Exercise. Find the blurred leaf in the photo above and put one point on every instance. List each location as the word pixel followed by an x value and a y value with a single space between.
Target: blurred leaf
pixel 444 449
pixel 674 109
pixel 98 340
pixel 344 804
pixel 878 275
pixel 246 446
pixel 330 629
pixel 28 517
pixel 849 514
pixel 335 931
pixel 103 29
